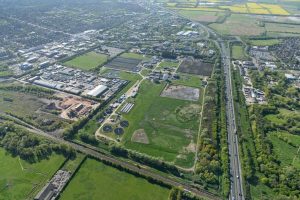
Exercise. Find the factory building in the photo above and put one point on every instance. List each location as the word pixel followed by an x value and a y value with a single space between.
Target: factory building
pixel 97 91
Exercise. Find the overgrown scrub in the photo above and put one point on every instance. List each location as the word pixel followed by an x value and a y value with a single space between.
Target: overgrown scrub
pixel 212 166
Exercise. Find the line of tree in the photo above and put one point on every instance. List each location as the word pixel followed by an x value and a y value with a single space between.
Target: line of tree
pixel 156 163
pixel 177 193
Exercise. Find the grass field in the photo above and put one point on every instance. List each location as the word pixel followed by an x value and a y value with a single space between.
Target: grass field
pixel 286 153
pixel 267 42
pixel 292 139
pixel 282 28
pixel 238 24
pixel 88 61
pixel 21 180
pixel 282 117
pixel 238 52
pixel 170 135
pixel 96 181
pixel 202 16
pixel 145 72
pixel 189 80
pixel 261 191
pixel 132 55
pixel 4 72
pixel 167 64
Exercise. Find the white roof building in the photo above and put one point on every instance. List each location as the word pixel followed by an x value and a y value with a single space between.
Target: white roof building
pixel 97 91
pixel 290 76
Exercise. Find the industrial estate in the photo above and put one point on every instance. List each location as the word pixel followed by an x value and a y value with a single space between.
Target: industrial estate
pixel 149 99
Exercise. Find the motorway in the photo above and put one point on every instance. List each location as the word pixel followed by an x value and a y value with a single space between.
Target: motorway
pixel 236 190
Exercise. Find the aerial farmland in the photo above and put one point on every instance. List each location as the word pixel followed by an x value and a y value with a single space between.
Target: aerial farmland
pixel 149 100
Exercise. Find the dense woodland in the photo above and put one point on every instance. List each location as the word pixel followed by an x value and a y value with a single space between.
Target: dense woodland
pixel 212 167
pixel 19 142
pixel 260 163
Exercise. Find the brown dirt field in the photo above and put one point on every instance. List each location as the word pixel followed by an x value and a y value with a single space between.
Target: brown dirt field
pixel 195 66
pixel 140 136
pixel 70 102
pixel 191 147
pixel 181 92
pixel 206 18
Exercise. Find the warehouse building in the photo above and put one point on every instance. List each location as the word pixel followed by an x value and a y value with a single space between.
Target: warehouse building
pixel 97 91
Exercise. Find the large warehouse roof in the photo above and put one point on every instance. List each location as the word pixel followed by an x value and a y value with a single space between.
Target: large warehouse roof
pixel 97 90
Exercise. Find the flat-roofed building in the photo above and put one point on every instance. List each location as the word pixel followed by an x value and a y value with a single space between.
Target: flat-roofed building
pixel 97 91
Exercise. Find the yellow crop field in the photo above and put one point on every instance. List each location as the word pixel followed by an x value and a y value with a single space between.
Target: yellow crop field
pixel 187 1
pixel 260 11
pixel 199 8
pixel 171 4
pixel 253 6
pixel 214 1
pixel 237 8
pixel 275 9
pixel 248 8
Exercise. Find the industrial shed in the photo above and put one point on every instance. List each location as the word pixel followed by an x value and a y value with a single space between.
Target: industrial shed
pixel 97 91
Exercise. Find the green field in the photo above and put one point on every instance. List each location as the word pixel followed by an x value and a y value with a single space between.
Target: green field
pixel 167 64
pixel 238 52
pixel 5 71
pixel 170 135
pixel 267 42
pixel 96 180
pixel 145 72
pixel 202 16
pixel 22 180
pixel 188 80
pixel 286 153
pixel 238 24
pixel 88 61
pixel 132 55
pixel 282 29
